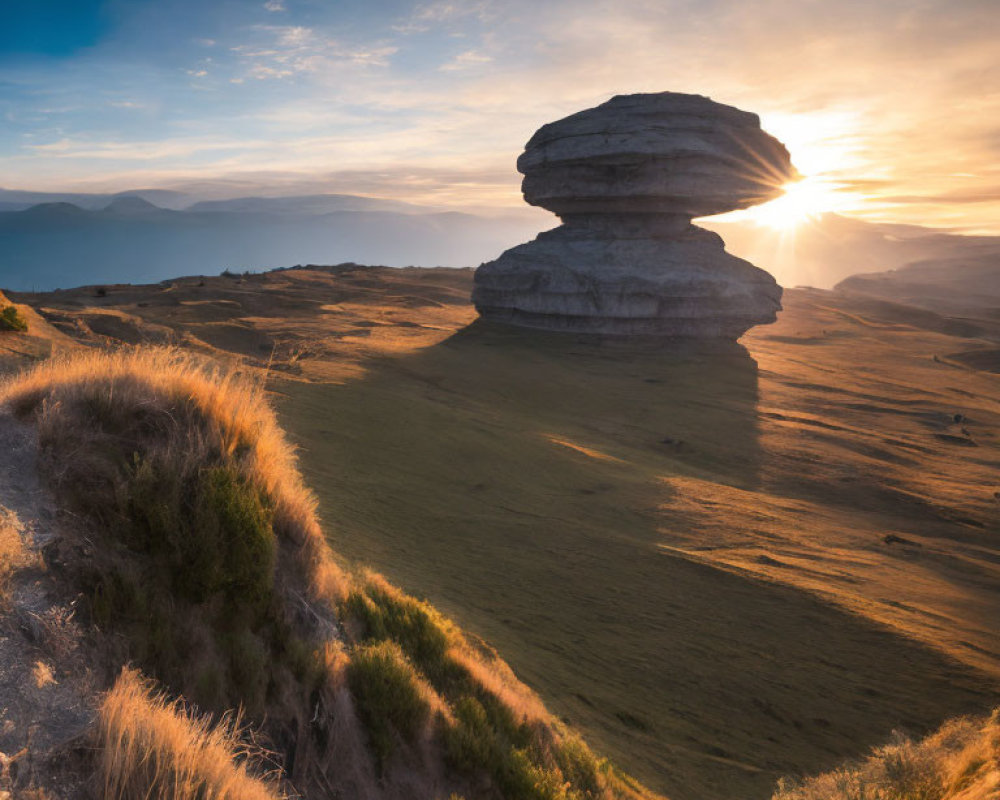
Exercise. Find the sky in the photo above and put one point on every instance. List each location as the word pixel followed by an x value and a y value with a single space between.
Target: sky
pixel 891 108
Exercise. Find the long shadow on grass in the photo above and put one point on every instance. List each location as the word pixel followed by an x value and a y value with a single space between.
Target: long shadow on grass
pixel 513 479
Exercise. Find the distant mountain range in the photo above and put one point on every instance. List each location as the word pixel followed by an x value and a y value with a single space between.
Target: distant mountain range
pixel 18 200
pixel 964 286
pixel 129 239
pixel 59 240
pixel 308 205
pixel 824 251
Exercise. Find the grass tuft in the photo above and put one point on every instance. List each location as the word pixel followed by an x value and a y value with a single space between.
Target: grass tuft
pixel 961 761
pixel 150 748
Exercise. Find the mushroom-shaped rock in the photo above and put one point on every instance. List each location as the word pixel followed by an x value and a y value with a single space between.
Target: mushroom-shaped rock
pixel 626 178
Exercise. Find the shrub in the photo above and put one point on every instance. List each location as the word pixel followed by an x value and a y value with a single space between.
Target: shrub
pixel 211 528
pixel 189 551
pixel 481 740
pixel 11 319
pixel 495 725
pixel 388 694
pixel 387 614
pixel 523 778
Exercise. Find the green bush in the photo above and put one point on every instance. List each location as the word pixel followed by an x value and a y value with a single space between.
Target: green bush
pixel 524 779
pixel 581 768
pixel 421 632
pixel 212 528
pixel 487 740
pixel 485 735
pixel 182 550
pixel 471 743
pixel 388 696
pixel 11 320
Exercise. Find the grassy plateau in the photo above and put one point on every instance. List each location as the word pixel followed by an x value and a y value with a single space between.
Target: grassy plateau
pixel 721 566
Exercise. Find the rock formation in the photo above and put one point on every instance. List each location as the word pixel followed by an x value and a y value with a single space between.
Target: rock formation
pixel 626 178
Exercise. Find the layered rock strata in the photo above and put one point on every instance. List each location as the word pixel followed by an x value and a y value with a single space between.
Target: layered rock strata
pixel 626 178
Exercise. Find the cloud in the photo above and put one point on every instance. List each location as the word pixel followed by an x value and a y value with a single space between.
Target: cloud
pixel 979 194
pixel 275 5
pixel 287 50
pixel 466 60
pixel 430 15
pixel 292 36
pixel 263 72
pixel 140 150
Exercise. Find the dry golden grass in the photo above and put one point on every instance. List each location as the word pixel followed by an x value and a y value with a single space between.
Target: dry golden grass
pixel 437 462
pixel 14 556
pixel 225 413
pixel 152 748
pixel 208 543
pixel 961 761
pixel 11 554
pixel 493 674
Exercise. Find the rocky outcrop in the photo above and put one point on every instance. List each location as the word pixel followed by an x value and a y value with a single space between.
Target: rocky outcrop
pixel 627 177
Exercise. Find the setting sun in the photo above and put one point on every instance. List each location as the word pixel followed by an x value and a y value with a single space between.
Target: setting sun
pixel 802 200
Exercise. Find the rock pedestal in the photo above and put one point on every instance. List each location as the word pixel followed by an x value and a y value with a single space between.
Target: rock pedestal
pixel 626 178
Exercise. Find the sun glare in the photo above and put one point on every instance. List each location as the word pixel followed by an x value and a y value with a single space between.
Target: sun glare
pixel 802 201
pixel 824 148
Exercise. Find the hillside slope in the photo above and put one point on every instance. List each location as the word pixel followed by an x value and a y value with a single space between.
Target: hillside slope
pixel 721 566
pixel 180 538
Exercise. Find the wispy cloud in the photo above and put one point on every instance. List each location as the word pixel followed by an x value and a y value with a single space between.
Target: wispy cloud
pixel 466 60
pixel 139 151
pixel 426 16
pixel 275 5
pixel 283 51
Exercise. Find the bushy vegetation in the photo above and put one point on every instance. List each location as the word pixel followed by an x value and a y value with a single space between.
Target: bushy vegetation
pixel 961 761
pixel 12 320
pixel 493 727
pixel 202 557
pixel 389 696
pixel 170 465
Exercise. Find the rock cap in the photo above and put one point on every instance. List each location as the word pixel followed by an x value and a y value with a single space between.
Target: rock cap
pixel 663 153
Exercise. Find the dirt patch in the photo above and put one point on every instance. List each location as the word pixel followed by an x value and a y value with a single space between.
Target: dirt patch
pixel 47 697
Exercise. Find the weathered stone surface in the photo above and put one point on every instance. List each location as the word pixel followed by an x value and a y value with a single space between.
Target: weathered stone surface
pixel 654 153
pixel 627 177
pixel 575 279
